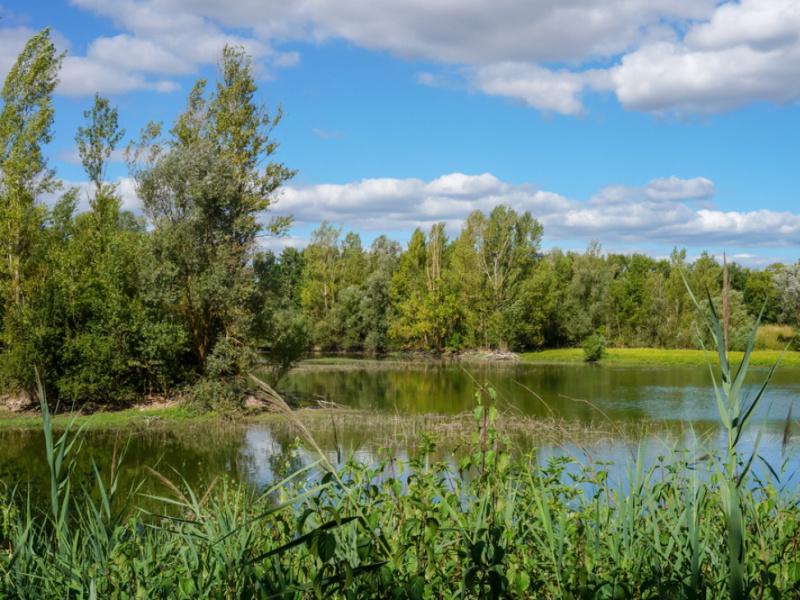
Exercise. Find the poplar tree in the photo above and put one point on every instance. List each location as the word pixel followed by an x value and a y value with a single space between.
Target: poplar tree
pixel 26 122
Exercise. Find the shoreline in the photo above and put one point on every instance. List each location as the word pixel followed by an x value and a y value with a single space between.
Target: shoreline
pixel 146 414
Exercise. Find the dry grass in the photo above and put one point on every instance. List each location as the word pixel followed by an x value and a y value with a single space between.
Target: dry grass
pixel 370 430
pixel 774 337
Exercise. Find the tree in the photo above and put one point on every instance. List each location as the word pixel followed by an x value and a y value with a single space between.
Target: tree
pixel 321 281
pixel 205 193
pixel 428 315
pixel 98 139
pixel 500 250
pixel 787 283
pixel 587 294
pixel 376 304
pixel 25 128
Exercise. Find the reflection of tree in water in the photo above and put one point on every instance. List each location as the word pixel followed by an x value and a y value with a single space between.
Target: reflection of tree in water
pixel 573 392
pixel 196 453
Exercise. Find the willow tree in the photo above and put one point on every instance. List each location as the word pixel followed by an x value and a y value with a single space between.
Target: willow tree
pixel 26 124
pixel 206 189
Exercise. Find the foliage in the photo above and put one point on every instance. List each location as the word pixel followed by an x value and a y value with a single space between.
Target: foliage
pixel 657 356
pixel 26 124
pixel 594 347
pixel 108 305
pixel 774 337
pixel 204 191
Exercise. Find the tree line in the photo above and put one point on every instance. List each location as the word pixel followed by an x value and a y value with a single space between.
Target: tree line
pixel 492 287
pixel 106 304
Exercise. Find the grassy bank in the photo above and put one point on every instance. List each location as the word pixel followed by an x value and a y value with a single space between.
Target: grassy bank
pixel 118 419
pixel 658 356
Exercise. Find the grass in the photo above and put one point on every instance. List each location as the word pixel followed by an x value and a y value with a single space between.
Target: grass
pixel 657 357
pixel 483 524
pixel 118 419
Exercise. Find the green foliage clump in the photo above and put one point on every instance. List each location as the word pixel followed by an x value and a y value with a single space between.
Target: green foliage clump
pixel 110 306
pixel 594 348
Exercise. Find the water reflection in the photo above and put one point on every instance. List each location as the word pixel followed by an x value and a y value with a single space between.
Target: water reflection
pixel 575 392
pixel 261 453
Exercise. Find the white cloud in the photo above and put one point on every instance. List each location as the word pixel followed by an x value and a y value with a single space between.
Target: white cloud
pixel 125 188
pixel 156 45
pixel 81 76
pixel 661 211
pixel 675 188
pixel 686 56
pixel 537 87
pixel 278 243
pixel 12 41
pixel 672 77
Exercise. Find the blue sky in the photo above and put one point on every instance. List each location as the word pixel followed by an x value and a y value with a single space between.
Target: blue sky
pixel 642 124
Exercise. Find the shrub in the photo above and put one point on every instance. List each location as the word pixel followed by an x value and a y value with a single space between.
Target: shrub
pixel 594 347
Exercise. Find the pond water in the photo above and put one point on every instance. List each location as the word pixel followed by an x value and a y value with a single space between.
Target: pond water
pixel 584 393
pixel 678 398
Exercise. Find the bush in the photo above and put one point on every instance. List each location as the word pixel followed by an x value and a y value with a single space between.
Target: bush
pixel 215 395
pixel 594 347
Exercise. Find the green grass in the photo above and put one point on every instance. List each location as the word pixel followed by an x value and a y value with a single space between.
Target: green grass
pixel 514 528
pixel 119 419
pixel 658 356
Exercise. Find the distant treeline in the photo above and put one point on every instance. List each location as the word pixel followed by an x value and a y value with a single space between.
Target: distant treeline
pixel 106 304
pixel 491 287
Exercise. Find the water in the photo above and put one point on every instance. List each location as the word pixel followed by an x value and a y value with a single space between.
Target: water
pixel 679 398
pixel 584 393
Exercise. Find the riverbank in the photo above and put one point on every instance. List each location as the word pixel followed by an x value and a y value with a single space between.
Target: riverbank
pixel 658 357
pixel 333 427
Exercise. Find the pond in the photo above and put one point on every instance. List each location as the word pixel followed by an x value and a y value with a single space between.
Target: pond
pixel 679 400
pixel 584 393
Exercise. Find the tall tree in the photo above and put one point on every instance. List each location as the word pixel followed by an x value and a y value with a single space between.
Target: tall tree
pixel 25 128
pixel 501 249
pixel 206 192
pixel 321 280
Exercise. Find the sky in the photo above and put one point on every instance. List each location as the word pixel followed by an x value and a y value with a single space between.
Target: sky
pixel 641 124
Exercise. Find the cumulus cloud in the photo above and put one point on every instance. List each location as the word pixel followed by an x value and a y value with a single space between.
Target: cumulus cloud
pixel 278 244
pixel 12 40
pixel 537 87
pixel 661 211
pixel 156 46
pixel 661 56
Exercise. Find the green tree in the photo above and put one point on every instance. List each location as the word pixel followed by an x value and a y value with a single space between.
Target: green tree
pixel 25 128
pixel 206 192
pixel 787 283
pixel 428 315
pixel 495 254
pixel 321 281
